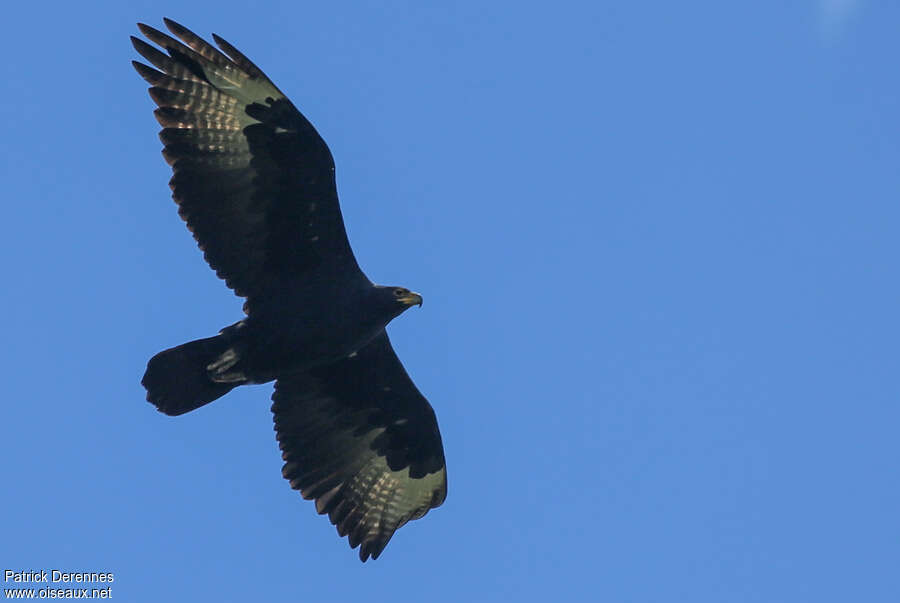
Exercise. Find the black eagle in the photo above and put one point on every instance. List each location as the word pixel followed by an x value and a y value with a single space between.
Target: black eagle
pixel 255 184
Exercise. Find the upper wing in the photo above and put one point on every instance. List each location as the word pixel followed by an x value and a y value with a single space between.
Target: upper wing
pixel 253 179
pixel 359 438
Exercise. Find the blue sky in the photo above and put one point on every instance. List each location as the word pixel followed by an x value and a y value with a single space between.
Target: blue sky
pixel 657 245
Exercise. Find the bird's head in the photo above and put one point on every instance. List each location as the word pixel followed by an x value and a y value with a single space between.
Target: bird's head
pixel 396 300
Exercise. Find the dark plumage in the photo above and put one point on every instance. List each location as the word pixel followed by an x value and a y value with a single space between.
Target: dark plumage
pixel 255 183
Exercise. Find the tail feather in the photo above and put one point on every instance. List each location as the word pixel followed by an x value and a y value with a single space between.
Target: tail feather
pixel 177 379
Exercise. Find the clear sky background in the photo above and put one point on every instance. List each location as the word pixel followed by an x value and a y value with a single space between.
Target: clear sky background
pixel 658 247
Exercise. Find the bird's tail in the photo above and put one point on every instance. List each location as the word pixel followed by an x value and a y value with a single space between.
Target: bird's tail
pixel 178 379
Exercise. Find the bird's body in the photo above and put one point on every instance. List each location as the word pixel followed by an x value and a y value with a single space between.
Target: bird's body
pixel 255 184
pixel 283 340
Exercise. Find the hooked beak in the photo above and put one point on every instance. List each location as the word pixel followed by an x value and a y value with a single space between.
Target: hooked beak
pixel 413 299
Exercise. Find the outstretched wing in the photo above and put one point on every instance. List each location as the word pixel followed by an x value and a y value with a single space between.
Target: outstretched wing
pixel 252 178
pixel 359 438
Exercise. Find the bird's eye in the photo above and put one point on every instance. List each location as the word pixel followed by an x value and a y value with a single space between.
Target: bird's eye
pixel 398 292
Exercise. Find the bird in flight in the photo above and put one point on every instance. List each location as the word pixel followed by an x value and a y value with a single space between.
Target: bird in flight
pixel 255 184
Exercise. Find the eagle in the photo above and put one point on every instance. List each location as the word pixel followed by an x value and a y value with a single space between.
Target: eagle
pixel 255 184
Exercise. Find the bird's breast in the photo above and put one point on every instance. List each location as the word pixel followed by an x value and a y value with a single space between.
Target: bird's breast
pixel 311 335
